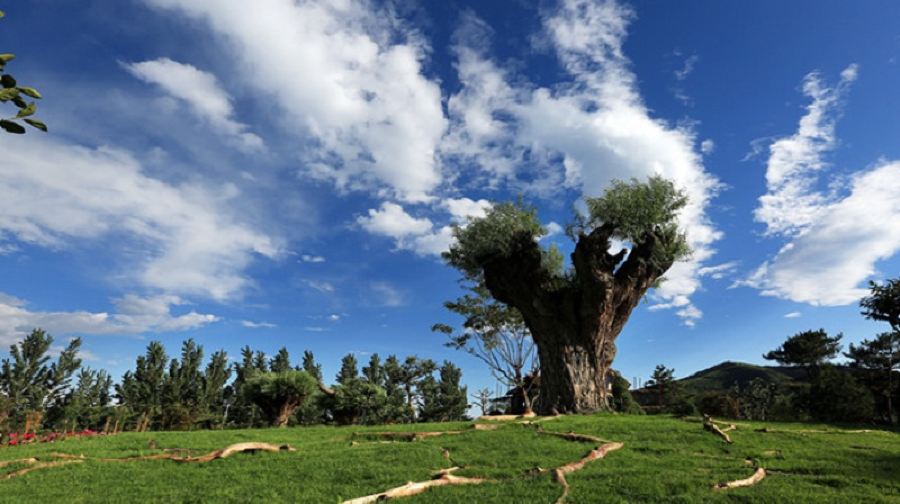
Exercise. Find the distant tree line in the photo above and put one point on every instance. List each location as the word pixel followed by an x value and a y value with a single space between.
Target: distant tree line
pixel 864 388
pixel 190 392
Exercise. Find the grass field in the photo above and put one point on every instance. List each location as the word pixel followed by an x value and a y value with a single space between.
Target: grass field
pixel 663 460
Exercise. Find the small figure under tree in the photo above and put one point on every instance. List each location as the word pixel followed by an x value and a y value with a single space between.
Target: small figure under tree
pixel 575 317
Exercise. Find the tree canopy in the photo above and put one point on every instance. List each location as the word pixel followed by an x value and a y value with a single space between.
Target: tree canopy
pixel 11 91
pixel 575 315
pixel 807 348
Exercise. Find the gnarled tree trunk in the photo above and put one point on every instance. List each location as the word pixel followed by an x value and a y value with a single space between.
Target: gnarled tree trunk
pixel 575 321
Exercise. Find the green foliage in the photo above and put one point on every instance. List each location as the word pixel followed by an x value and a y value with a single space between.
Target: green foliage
pixel 836 396
pixel 495 334
pixel 28 379
pixel 807 348
pixel 494 236
pixel 374 372
pixel 663 382
pixel 444 400
pixel 87 404
pixel 622 401
pixel 642 211
pixel 357 401
pixel 281 362
pixel 10 91
pixel 279 394
pixel 311 367
pixel 883 303
pixel 349 369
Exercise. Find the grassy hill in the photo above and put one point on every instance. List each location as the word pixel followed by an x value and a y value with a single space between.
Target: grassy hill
pixel 663 460
pixel 722 377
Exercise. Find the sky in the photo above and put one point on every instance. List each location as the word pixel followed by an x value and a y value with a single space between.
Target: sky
pixel 286 173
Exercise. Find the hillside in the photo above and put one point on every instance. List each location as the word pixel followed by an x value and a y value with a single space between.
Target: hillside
pixel 723 376
pixel 660 459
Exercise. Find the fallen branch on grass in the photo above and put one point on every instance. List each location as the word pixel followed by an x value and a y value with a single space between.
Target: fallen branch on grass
pixel 218 454
pixel 31 460
pixel 403 436
pixel 818 431
pixel 711 426
pixel 442 478
pixel 752 480
pixel 36 466
pixel 559 474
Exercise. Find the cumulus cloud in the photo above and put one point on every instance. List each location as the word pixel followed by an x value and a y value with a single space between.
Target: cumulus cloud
pixel 463 209
pixel 202 93
pixel 134 315
pixel 55 194
pixel 309 258
pixel 393 221
pixel 834 237
pixel 581 134
pixel 349 75
pixel 416 234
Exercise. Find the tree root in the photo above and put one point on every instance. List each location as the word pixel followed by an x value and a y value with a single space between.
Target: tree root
pixel 218 454
pixel 752 480
pixel 31 460
pixel 573 436
pixel 559 474
pixel 505 418
pixel 403 436
pixel 442 478
pixel 36 466
pixel 819 431
pixel 710 425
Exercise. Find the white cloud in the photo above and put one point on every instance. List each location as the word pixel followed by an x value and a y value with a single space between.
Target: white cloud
pixel 308 258
pixel 687 67
pixel 55 194
pixel 792 203
pixel 393 221
pixel 385 294
pixel 834 238
pixel 718 271
pixel 463 209
pixel 408 232
pixel 134 315
pixel 348 74
pixel 334 317
pixel 597 125
pixel 257 325
pixel 707 146
pixel 793 314
pixel 202 92
pixel 554 229
pixel 828 262
pixel 320 285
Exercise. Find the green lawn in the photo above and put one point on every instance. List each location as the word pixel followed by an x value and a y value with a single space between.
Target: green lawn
pixel 663 460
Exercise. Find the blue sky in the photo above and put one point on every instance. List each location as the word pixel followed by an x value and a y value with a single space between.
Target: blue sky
pixel 285 173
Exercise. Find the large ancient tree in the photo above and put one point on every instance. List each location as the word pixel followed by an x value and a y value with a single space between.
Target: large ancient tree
pixel 576 315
